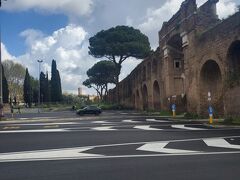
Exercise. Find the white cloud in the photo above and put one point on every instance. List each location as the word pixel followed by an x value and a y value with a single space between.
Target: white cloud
pixel 128 66
pixel 226 8
pixel 154 18
pixel 69 7
pixel 5 54
pixel 68 46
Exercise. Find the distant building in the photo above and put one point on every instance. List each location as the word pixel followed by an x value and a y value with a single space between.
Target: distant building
pixel 80 93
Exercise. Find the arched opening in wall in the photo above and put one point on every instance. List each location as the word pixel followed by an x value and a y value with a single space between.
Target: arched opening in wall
pixel 211 81
pixel 137 100
pixel 145 97
pixel 175 64
pixel 156 96
pixel 234 63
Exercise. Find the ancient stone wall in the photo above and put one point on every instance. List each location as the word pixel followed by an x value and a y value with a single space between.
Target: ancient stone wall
pixel 197 54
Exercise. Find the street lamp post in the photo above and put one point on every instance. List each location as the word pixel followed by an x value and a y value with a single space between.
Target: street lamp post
pixel 39 86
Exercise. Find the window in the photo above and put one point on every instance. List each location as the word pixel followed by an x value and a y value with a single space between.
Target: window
pixel 177 64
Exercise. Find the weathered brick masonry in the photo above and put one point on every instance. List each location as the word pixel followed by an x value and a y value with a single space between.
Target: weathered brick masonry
pixel 197 54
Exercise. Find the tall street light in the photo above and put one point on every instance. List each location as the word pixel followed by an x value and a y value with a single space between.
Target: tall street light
pixel 39 86
pixel 1 91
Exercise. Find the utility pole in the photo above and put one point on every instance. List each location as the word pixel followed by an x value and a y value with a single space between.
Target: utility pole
pixel 39 86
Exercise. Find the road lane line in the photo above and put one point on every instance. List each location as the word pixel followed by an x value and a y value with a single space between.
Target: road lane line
pixel 11 127
pixel 35 130
pixel 118 156
pixel 51 126
pixel 46 124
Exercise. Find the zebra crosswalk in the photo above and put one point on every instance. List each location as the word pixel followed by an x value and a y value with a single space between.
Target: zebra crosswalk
pixel 103 125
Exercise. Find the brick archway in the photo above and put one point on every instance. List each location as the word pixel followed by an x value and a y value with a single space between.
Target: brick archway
pixel 233 58
pixel 156 96
pixel 211 81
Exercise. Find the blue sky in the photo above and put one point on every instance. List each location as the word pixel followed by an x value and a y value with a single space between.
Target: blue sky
pixel 60 29
pixel 14 23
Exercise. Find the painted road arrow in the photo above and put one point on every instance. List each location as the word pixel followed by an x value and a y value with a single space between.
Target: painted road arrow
pixel 146 127
pixel 104 128
pixel 187 128
pixel 52 154
pixel 160 148
pixel 222 143
pixel 154 120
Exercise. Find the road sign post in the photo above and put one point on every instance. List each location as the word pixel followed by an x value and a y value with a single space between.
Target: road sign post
pixel 210 111
pixel 174 110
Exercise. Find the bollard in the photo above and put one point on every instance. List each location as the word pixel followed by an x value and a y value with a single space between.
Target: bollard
pixel 174 113
pixel 174 110
pixel 210 118
pixel 210 111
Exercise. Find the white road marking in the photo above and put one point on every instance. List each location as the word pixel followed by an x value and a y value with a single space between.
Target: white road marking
pixel 129 121
pixel 124 156
pixel 146 127
pixel 38 118
pixel 69 152
pixel 222 143
pixel 35 130
pixel 106 128
pixel 159 147
pixel 100 122
pixel 45 124
pixel 154 120
pixel 52 154
pixel 187 128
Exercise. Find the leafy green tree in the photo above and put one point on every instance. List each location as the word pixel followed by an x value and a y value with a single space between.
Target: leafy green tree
pixel 93 83
pixel 27 89
pixel 56 90
pixel 5 87
pixel 100 75
pixel 15 74
pixel 119 43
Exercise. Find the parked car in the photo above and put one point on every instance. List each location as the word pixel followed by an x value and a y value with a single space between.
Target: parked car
pixel 89 110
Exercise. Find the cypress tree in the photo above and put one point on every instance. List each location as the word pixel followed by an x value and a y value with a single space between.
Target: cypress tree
pixel 59 88
pixel 56 90
pixel 27 90
pixel 47 89
pixel 54 82
pixel 5 87
pixel 42 87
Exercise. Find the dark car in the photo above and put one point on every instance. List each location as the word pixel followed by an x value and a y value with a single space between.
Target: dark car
pixel 89 110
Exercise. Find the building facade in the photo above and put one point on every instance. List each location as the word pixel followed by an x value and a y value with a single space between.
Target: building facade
pixel 196 64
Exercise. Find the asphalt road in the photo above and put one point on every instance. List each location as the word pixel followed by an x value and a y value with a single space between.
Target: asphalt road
pixel 116 145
